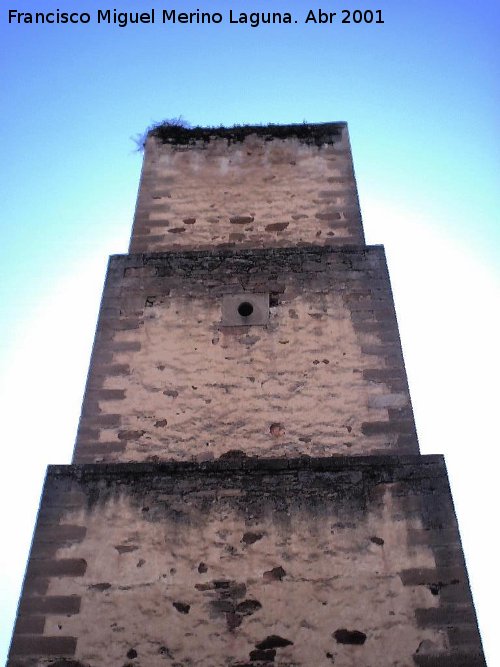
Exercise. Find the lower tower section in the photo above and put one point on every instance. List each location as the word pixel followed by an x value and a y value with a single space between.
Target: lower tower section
pixel 239 562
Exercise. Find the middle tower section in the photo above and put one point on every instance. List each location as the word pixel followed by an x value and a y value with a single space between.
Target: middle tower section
pixel 272 353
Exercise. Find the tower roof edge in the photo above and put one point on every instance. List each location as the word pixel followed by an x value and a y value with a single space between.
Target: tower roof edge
pixel 178 133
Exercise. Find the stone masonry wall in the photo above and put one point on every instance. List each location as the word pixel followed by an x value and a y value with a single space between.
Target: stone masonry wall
pixel 323 376
pixel 222 509
pixel 259 189
pixel 352 562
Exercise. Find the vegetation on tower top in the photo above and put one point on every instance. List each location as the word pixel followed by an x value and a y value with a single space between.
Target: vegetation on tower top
pixel 176 131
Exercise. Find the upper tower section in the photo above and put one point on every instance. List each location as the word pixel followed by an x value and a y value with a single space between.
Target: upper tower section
pixel 247 187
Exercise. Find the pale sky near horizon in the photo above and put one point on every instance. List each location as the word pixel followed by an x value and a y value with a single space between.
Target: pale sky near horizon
pixel 421 96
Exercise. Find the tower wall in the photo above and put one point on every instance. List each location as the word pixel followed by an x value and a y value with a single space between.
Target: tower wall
pixel 248 562
pixel 246 487
pixel 251 187
pixel 172 377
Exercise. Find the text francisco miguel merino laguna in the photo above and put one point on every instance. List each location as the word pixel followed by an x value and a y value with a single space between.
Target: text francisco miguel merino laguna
pixel 123 19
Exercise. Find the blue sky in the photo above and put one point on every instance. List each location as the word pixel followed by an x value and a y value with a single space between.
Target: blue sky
pixel 421 96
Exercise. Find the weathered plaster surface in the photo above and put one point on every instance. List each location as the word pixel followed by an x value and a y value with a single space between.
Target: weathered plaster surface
pixel 223 389
pixel 324 375
pixel 194 567
pixel 258 192
pixel 330 569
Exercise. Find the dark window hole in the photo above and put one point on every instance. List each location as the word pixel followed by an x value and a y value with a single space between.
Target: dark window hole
pixel 245 309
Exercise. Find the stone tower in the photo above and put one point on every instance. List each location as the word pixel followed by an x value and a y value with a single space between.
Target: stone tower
pixel 246 487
